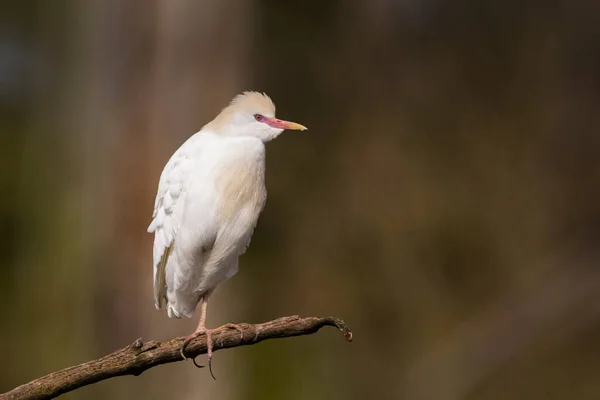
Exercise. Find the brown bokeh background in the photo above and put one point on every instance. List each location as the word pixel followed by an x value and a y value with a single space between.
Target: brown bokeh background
pixel 444 201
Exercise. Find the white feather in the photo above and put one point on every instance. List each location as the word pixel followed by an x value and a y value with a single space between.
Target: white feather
pixel 209 197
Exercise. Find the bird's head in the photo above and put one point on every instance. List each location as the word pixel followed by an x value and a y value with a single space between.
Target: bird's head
pixel 251 114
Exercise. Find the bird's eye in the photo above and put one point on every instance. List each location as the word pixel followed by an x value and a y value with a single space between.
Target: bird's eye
pixel 258 117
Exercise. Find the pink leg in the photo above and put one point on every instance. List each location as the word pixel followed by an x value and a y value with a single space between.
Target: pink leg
pixel 199 331
pixel 202 329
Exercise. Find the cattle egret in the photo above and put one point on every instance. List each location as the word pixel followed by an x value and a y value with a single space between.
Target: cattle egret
pixel 210 195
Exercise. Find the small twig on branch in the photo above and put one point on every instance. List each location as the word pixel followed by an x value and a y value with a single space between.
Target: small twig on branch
pixel 139 356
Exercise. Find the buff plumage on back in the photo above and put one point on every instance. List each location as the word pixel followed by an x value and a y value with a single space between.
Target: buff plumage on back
pixel 247 102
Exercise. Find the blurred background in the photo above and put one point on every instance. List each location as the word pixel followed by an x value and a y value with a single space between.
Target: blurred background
pixel 444 201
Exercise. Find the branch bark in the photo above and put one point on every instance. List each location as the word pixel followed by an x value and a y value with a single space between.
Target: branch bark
pixel 139 356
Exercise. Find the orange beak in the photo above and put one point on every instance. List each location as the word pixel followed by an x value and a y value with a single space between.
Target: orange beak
pixel 281 124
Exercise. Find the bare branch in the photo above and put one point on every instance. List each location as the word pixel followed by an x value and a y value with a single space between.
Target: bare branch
pixel 139 356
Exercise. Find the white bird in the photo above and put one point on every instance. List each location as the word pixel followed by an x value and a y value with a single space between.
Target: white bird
pixel 210 195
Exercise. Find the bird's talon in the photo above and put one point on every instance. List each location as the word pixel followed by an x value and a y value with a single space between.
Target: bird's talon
pixel 182 350
pixel 210 368
pixel 198 365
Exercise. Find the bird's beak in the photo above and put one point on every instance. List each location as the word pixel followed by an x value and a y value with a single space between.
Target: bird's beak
pixel 281 124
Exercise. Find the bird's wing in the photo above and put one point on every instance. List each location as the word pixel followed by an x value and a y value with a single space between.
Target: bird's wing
pixel 167 216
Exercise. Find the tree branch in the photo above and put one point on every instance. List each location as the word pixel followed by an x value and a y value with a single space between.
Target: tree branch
pixel 139 356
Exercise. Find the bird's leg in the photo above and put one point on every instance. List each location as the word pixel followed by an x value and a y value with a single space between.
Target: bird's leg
pixel 202 329
pixel 199 331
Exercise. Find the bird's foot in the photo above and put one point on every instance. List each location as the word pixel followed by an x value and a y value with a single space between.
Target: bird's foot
pixel 209 343
pixel 209 347
pixel 188 340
